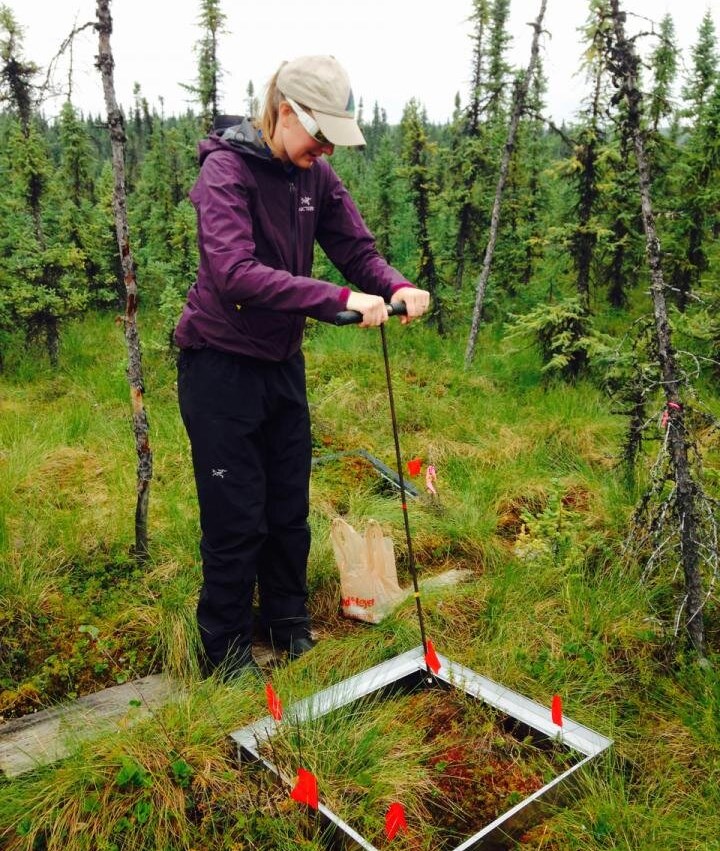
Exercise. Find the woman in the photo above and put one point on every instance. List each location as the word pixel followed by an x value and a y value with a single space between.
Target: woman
pixel 263 196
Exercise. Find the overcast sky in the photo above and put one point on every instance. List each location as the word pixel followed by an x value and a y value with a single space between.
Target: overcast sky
pixel 393 49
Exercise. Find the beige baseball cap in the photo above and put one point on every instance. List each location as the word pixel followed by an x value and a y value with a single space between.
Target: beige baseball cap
pixel 321 83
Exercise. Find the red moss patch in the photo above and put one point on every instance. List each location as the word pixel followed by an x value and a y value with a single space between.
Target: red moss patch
pixel 479 770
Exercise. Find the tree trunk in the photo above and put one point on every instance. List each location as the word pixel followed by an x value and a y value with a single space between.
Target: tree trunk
pixel 616 291
pixel 520 95
pixel 462 237
pixel 105 64
pixel 52 340
pixel 625 68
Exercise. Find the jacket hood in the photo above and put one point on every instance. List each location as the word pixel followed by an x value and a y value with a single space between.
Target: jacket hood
pixel 235 133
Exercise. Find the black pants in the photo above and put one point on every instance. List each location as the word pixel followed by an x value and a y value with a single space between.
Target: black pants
pixel 249 429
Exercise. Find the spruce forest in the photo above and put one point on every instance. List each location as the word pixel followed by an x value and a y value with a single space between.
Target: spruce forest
pixel 564 388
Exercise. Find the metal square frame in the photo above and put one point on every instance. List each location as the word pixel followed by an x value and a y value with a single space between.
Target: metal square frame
pixel 409 669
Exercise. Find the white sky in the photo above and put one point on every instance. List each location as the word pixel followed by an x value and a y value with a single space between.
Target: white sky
pixel 393 49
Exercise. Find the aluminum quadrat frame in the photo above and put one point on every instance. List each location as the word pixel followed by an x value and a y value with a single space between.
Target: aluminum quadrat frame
pixel 410 667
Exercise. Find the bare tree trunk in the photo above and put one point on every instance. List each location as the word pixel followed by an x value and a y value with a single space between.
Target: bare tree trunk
pixel 105 64
pixel 519 98
pixel 625 71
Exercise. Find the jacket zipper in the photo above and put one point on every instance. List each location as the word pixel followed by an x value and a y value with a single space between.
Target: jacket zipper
pixel 293 225
pixel 293 238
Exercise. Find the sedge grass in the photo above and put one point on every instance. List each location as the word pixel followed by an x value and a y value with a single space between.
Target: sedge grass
pixel 167 613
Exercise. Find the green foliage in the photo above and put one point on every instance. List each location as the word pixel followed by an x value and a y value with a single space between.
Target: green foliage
pixel 564 334
pixel 132 774
pixel 17 76
pixel 498 68
pixel 416 154
pixel 703 72
pixel 631 377
pixel 381 213
pixel 81 210
pixel 556 532
pixel 700 326
pixel 182 773
pixel 162 220
pixel 664 62
pixel 42 275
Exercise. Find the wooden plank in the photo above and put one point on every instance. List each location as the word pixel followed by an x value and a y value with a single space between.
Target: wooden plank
pixel 47 736
pixel 51 734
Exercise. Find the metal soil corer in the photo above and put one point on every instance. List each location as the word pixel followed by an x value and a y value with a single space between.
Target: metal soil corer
pixel 351 317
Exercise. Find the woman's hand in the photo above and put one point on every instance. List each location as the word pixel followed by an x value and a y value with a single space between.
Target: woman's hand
pixel 372 307
pixel 417 302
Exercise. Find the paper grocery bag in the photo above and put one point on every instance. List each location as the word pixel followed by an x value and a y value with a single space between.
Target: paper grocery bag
pixel 368 579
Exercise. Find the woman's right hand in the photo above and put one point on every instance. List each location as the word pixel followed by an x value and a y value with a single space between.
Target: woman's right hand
pixel 372 307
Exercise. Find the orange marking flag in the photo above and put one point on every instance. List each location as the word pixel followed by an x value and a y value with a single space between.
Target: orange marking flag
pixel 556 710
pixel 395 820
pixel 305 790
pixel 274 703
pixel 431 657
pixel 414 466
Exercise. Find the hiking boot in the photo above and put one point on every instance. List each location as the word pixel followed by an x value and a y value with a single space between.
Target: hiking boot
pixel 234 666
pixel 236 672
pixel 299 645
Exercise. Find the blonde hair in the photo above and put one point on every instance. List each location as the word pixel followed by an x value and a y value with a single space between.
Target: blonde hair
pixel 271 108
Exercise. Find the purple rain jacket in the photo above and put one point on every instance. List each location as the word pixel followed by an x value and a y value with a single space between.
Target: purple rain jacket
pixel 257 225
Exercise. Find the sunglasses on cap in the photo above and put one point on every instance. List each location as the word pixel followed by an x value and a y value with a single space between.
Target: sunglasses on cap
pixel 308 122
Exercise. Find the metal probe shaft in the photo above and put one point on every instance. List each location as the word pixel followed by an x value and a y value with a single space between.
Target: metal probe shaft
pixel 401 480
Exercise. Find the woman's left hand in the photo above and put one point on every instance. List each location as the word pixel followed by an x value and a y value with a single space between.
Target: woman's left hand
pixel 417 302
